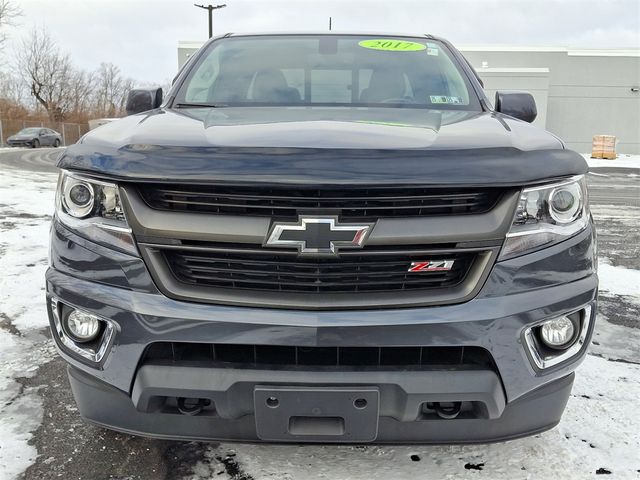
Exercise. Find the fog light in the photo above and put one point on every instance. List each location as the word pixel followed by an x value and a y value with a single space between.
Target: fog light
pixel 558 333
pixel 82 327
pixel 559 339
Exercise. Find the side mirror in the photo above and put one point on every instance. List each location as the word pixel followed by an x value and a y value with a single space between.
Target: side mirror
pixel 143 99
pixel 516 104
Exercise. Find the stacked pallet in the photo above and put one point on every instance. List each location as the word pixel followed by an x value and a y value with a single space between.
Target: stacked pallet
pixel 604 146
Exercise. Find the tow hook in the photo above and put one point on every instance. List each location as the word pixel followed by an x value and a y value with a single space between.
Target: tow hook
pixel 449 410
pixel 191 406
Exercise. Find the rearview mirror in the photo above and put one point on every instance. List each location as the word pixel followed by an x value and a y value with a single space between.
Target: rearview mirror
pixel 143 99
pixel 516 104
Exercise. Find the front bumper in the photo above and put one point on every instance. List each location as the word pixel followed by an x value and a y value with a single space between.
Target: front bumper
pixel 109 407
pixel 20 143
pixel 519 293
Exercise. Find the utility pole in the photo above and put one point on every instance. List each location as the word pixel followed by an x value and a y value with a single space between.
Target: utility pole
pixel 329 23
pixel 210 8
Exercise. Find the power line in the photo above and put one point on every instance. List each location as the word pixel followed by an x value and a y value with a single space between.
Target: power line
pixel 210 8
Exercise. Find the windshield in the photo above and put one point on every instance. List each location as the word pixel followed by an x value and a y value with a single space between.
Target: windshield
pixel 332 70
pixel 29 131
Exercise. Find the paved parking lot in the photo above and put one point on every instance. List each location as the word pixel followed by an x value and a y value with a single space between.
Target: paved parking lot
pixel 42 435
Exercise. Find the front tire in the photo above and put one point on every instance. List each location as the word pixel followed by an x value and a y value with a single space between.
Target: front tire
pixel 35 144
pixel 56 144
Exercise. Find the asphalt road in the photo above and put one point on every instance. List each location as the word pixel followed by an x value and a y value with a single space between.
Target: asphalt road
pixel 71 449
pixel 35 160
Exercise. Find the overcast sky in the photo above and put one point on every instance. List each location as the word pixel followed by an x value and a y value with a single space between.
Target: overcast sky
pixel 141 36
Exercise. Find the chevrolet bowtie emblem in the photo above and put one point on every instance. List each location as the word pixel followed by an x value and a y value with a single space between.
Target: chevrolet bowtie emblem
pixel 318 235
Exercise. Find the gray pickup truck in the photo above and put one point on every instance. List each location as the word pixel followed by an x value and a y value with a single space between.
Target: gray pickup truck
pixel 323 238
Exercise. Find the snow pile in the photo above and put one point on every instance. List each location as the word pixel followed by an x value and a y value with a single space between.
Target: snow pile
pixel 25 208
pixel 619 280
pixel 623 161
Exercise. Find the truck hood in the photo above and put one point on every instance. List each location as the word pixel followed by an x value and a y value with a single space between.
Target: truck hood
pixel 306 145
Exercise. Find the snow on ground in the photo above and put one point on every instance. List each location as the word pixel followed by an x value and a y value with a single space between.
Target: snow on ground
pixel 10 149
pixel 619 280
pixel 623 161
pixel 596 432
pixel 25 208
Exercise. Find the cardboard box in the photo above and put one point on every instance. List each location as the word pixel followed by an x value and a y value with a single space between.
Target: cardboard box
pixel 604 146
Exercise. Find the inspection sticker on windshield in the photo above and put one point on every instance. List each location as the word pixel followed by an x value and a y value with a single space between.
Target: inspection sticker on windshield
pixel 432 49
pixel 391 45
pixel 445 99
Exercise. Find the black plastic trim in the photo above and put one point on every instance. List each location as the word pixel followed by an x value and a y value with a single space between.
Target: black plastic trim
pixel 109 407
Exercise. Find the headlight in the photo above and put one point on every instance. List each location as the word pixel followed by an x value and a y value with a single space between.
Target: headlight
pixel 78 197
pixel 547 215
pixel 91 208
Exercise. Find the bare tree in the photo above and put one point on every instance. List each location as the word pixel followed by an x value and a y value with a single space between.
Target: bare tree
pixel 12 96
pixel 80 92
pixel 8 13
pixel 10 88
pixel 45 79
pixel 111 90
pixel 48 72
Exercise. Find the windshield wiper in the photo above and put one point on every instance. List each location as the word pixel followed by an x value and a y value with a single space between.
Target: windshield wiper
pixel 199 105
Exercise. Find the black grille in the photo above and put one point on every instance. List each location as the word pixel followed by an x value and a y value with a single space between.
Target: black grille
pixel 266 269
pixel 264 356
pixel 289 202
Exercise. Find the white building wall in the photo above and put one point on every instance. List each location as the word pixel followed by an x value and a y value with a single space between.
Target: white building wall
pixel 532 80
pixel 590 91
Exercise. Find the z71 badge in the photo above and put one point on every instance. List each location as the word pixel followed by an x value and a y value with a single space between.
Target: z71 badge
pixel 431 266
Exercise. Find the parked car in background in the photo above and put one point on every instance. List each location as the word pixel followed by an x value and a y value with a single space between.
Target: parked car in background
pixel 35 137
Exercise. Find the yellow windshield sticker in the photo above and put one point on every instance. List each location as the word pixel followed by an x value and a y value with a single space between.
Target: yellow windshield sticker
pixel 391 45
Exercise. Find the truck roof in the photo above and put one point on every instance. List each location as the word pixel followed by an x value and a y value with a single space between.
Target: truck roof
pixel 326 33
